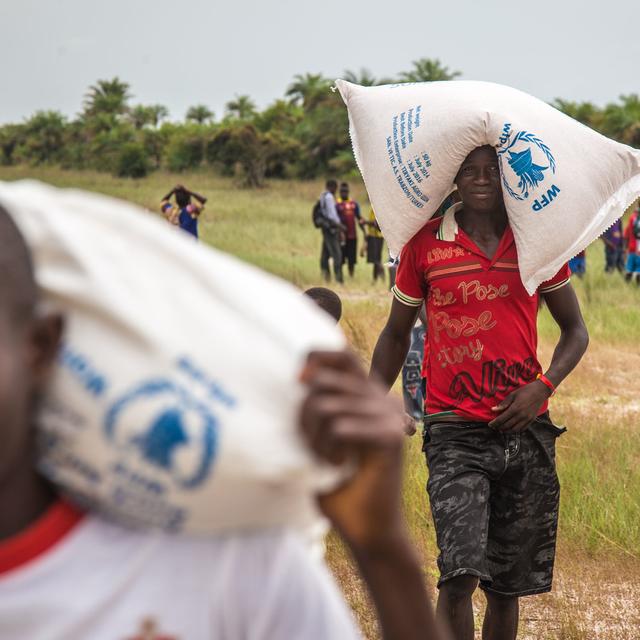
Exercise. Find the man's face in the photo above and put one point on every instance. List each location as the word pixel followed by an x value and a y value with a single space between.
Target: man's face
pixel 478 180
pixel 344 193
pixel 26 355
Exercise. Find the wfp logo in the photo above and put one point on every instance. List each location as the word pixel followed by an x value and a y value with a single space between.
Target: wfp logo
pixel 169 428
pixel 525 163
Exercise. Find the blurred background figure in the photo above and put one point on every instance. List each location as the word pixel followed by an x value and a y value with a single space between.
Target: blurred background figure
pixel 349 212
pixel 327 300
pixel 186 212
pixel 632 245
pixel 613 248
pixel 331 227
pixel 374 245
pixel 578 265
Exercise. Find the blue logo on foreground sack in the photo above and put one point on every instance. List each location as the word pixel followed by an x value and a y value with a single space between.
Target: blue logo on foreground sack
pixel 529 161
pixel 171 430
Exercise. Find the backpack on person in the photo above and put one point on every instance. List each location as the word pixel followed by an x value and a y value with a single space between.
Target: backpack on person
pixel 317 216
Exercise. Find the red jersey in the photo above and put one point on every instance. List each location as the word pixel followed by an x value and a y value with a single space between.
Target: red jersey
pixel 348 210
pixel 482 334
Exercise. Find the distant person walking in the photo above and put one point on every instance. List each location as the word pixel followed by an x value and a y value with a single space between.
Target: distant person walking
pixel 632 244
pixel 331 226
pixel 349 212
pixel 186 212
pixel 613 248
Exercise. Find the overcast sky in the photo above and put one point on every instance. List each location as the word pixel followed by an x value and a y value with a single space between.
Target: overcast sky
pixel 199 51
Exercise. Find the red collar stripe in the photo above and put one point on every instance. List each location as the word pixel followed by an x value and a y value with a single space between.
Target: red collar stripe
pixel 39 537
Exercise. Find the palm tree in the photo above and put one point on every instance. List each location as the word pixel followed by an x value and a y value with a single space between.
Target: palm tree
pixel 44 136
pixel 140 116
pixel 199 113
pixel 107 96
pixel 157 113
pixel 428 70
pixel 308 89
pixel 365 78
pixel 241 107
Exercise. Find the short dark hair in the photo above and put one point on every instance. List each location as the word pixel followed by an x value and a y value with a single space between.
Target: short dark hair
pixel 18 290
pixel 327 300
pixel 331 184
pixel 344 185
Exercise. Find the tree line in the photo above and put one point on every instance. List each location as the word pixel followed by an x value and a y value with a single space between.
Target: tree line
pixel 302 135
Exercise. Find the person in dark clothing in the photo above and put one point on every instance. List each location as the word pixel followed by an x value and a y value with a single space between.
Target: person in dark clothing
pixel 349 212
pixel 613 248
pixel 330 233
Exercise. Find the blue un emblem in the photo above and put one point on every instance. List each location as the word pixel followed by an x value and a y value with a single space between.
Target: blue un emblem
pixel 525 162
pixel 171 430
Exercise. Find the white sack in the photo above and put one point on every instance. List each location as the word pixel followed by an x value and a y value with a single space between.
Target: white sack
pixel 563 183
pixel 175 398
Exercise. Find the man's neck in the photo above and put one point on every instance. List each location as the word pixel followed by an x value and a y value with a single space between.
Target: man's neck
pixel 24 497
pixel 484 224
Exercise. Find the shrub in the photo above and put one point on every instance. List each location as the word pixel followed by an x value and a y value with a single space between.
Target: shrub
pixel 133 161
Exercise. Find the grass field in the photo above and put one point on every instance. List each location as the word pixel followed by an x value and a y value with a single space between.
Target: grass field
pixel 597 590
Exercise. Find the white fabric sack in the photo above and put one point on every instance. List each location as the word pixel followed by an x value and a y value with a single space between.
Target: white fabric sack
pixel 563 183
pixel 174 401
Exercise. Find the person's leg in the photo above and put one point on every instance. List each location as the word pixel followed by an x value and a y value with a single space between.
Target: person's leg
pixel 324 259
pixel 522 528
pixel 461 457
pixel 351 251
pixel 455 606
pixel 629 266
pixel 501 617
pixel 609 258
pixel 333 244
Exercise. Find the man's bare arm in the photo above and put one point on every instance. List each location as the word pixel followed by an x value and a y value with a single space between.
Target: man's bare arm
pixel 393 344
pixel 574 337
pixel 198 197
pixel 519 408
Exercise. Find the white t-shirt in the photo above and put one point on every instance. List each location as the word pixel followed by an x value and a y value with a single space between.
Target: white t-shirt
pixel 102 582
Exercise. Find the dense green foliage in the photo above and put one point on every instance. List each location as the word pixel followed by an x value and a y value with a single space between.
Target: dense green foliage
pixel 304 135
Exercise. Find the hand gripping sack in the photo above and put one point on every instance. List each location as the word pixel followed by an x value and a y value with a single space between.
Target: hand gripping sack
pixel 563 183
pixel 174 400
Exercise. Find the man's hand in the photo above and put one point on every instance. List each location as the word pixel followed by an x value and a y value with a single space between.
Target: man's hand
pixel 346 415
pixel 519 409
pixel 409 424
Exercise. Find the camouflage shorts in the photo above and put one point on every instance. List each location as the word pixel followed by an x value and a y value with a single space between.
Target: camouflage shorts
pixel 494 500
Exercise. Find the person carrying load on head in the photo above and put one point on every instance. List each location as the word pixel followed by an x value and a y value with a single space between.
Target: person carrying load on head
pixel 488 438
pixel 186 211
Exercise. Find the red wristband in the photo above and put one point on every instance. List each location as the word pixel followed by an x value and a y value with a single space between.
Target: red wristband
pixel 546 382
